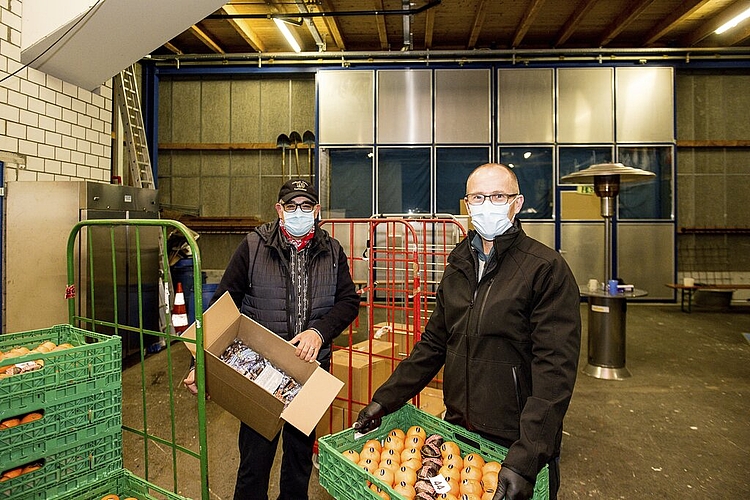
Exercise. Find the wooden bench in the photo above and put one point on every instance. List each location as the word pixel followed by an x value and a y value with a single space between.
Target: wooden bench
pixel 689 290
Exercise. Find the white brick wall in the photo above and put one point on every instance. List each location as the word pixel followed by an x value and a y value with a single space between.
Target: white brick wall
pixel 49 129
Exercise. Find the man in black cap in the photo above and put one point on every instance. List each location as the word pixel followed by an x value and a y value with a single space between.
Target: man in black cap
pixel 293 278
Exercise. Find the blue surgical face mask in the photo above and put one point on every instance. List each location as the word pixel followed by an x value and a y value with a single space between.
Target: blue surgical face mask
pixel 299 223
pixel 490 220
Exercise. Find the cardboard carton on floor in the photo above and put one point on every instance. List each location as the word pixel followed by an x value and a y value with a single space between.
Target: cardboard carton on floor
pixel 397 333
pixel 360 371
pixel 431 401
pixel 338 417
pixel 329 424
pixel 242 397
pixel 377 348
pixel 437 381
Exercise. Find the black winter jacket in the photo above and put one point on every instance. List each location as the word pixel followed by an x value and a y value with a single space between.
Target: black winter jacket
pixel 510 345
pixel 257 277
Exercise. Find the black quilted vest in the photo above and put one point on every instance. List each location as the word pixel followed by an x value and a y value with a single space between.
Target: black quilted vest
pixel 270 291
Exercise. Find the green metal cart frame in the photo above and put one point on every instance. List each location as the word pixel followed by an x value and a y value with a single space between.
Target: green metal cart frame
pixel 80 246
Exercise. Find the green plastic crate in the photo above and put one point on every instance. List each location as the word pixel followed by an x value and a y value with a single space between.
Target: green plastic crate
pixel 67 469
pixel 124 484
pixel 62 425
pixel 345 481
pixel 92 365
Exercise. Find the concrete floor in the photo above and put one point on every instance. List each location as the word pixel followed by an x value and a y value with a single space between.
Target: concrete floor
pixel 677 429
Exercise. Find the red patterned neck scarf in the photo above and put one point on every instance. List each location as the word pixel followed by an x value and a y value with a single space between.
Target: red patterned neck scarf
pixel 298 243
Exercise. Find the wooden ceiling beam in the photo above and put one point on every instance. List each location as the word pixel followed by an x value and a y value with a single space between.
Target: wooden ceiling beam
pixel 331 24
pixel 242 26
pixel 207 41
pixel 622 21
pixel 380 23
pixel 172 48
pixel 528 19
pixel 673 21
pixel 574 21
pixel 476 28
pixel 706 29
pixel 429 28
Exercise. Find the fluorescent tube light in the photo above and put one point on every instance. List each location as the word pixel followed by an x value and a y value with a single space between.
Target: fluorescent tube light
pixel 287 34
pixel 733 22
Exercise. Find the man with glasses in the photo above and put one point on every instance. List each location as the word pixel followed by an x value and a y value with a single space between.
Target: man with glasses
pixel 292 277
pixel 507 328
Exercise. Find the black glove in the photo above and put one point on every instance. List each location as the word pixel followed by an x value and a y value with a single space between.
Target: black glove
pixel 369 418
pixel 512 486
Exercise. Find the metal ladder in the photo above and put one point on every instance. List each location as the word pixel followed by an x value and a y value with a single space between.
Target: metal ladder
pixel 129 102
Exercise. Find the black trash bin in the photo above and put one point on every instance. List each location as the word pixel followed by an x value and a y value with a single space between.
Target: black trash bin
pixel 606 318
pixel 606 330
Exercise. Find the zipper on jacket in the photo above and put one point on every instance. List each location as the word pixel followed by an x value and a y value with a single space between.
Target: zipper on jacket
pixel 478 314
pixel 517 386
pixel 484 300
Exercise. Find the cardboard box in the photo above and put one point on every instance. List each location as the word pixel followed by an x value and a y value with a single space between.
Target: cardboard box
pixel 402 340
pixel 399 334
pixel 375 347
pixel 242 397
pixel 437 381
pixel 367 374
pixel 330 423
pixel 431 401
pixel 338 417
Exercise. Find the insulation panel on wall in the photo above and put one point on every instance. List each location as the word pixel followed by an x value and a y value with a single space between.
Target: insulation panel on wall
pixel 462 106
pixel 525 106
pixel 346 107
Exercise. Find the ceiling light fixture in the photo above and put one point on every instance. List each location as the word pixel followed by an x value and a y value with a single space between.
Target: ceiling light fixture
pixel 733 22
pixel 287 34
pixel 288 20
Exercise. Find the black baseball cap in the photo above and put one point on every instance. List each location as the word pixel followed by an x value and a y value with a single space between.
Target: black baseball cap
pixel 297 187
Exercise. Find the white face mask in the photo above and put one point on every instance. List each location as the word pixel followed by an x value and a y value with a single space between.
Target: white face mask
pixel 299 223
pixel 490 220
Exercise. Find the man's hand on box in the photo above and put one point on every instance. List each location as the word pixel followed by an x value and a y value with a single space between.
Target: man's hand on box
pixel 308 344
pixel 189 382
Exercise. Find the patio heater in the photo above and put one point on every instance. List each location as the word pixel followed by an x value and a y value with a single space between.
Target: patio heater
pixel 606 178
pixel 607 311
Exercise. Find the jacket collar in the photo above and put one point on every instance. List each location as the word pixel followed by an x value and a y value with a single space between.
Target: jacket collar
pixel 506 240
pixel 464 257
pixel 270 233
pixel 502 243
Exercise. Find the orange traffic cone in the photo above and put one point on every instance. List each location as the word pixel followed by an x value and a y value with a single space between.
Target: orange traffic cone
pixel 179 311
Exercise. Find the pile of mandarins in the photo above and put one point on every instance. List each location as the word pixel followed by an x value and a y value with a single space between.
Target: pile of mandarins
pixel 15 369
pixel 43 348
pixel 19 471
pixel 406 461
pixel 11 422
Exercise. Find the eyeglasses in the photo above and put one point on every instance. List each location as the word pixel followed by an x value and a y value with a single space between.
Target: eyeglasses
pixel 495 198
pixel 306 206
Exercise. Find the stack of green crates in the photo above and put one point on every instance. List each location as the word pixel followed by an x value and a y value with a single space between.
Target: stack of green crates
pixel 74 451
pixel 78 392
pixel 344 480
